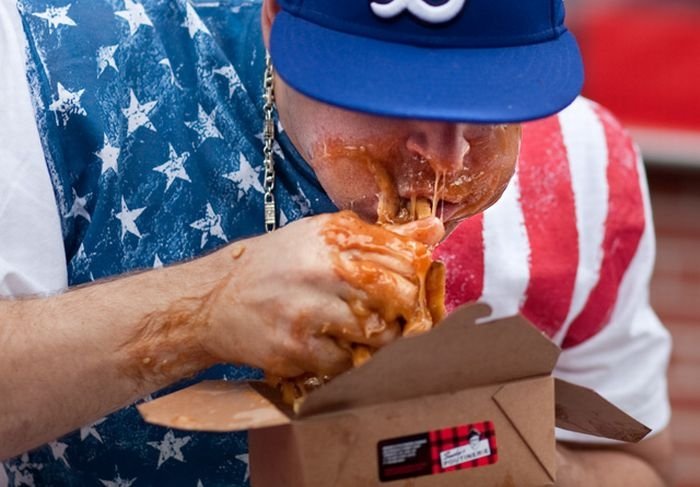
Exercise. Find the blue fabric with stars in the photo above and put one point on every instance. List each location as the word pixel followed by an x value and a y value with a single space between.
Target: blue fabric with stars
pixel 150 115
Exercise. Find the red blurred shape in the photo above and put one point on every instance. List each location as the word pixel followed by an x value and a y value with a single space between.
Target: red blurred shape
pixel 643 63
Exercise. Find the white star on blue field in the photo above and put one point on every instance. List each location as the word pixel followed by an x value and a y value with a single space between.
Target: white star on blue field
pixel 150 115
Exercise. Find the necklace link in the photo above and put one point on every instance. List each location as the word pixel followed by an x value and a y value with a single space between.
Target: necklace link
pixel 269 141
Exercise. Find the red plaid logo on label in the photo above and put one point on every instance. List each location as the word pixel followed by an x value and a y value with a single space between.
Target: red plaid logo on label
pixel 446 450
pixel 467 446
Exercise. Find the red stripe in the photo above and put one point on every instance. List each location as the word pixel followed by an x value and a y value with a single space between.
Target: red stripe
pixel 463 255
pixel 435 451
pixel 624 228
pixel 549 211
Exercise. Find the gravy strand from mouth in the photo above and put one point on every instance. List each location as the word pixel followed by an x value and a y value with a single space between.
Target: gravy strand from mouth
pixel 433 208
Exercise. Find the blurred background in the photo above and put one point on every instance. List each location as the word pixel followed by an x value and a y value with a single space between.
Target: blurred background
pixel 643 62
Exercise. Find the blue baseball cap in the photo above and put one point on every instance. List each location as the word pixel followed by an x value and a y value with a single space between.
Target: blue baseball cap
pixel 482 61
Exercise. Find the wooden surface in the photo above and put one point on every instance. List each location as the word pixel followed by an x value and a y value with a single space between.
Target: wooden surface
pixel 675 294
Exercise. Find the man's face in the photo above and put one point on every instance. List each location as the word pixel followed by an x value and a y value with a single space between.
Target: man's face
pixel 474 442
pixel 376 166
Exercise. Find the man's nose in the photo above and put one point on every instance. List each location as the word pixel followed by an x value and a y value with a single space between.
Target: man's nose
pixel 443 145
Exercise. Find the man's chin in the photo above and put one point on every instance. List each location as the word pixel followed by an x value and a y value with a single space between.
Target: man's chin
pixel 450 214
pixel 450 227
pixel 366 211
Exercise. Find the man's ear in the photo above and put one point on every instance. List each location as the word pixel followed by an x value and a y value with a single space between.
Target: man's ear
pixel 269 11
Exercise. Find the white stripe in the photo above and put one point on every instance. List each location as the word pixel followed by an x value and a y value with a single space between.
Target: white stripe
pixel 506 254
pixel 584 138
pixel 626 361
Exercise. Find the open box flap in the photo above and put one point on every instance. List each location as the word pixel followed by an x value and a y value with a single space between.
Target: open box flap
pixel 584 411
pixel 528 406
pixel 217 406
pixel 457 354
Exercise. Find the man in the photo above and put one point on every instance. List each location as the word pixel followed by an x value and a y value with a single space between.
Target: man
pixel 150 120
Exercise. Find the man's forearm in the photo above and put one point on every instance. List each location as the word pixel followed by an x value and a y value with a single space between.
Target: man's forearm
pixel 611 467
pixel 70 359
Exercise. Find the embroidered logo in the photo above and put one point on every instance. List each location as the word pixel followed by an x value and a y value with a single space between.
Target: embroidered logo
pixel 434 14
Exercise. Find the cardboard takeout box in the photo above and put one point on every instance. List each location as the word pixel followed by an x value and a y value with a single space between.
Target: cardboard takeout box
pixel 464 404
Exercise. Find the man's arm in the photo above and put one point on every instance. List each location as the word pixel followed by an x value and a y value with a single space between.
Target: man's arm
pixel 622 354
pixel 68 360
pixel 274 302
pixel 646 464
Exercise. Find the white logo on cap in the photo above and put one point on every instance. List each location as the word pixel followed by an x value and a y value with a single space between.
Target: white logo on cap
pixel 435 14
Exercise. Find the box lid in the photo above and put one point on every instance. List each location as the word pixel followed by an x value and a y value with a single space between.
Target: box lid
pixel 216 406
pixel 457 354
pixel 585 411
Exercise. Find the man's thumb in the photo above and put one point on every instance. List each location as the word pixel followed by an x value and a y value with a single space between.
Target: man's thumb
pixel 428 230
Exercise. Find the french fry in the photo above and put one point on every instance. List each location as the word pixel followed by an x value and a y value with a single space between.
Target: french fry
pixel 435 291
pixel 423 209
pixel 360 355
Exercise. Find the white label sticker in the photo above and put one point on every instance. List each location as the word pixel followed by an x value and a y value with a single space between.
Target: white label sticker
pixel 465 453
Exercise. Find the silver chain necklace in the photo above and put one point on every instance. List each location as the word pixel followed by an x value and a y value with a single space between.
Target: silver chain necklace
pixel 269 141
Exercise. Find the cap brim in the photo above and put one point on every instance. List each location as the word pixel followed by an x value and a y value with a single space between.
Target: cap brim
pixel 482 85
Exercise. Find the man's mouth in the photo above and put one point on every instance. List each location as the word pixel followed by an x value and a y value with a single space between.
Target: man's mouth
pixel 414 208
pixel 450 212
pixel 404 192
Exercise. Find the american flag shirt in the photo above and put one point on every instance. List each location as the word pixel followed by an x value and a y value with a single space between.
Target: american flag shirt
pixel 571 246
pixel 150 114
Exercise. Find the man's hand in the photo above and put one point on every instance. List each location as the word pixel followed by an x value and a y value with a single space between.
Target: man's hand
pixel 646 464
pixel 277 301
pixel 294 294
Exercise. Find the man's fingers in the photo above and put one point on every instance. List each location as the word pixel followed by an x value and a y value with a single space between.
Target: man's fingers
pixel 326 357
pixel 390 260
pixel 429 231
pixel 369 330
pixel 388 293
pixel 284 369
pixel 382 333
